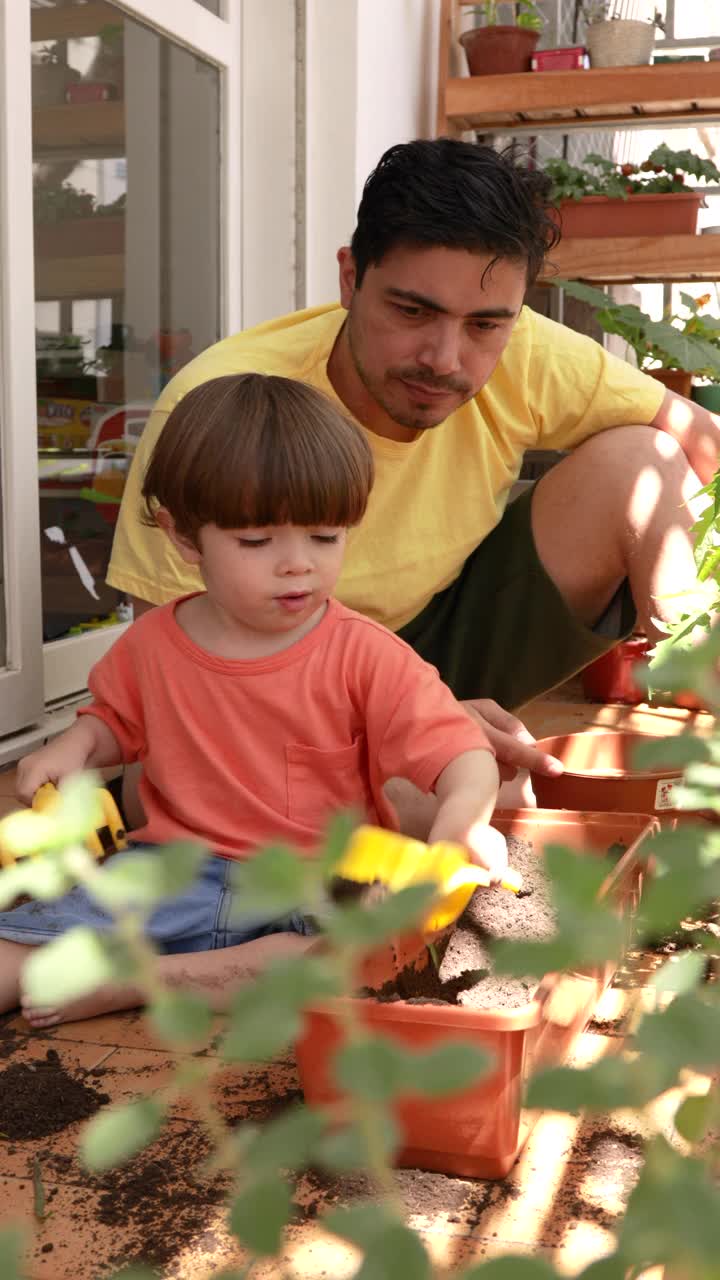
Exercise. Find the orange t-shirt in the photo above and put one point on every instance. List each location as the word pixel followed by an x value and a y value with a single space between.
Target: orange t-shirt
pixel 239 753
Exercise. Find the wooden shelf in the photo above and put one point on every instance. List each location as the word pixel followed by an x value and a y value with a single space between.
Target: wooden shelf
pixel 612 96
pixel 101 276
pixel 632 259
pixel 74 21
pixel 90 129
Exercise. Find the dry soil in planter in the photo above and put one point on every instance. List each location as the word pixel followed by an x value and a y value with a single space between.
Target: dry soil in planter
pixel 463 977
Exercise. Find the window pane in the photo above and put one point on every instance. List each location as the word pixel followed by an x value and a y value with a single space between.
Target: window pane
pixel 126 219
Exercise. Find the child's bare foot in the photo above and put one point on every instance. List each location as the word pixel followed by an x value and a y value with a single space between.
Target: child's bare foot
pixel 105 999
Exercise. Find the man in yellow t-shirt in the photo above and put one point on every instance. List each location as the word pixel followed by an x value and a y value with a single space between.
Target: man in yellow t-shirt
pixel 433 352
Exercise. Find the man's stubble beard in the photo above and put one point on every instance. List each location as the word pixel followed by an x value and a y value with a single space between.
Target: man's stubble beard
pixel 410 421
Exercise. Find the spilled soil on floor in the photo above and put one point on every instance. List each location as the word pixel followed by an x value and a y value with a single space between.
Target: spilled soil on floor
pixel 43 1097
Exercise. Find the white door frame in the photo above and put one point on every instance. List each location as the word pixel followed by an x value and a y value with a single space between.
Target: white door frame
pixel 21 689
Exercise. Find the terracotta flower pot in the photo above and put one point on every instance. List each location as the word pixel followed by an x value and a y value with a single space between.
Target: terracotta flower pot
pixel 480 1131
pixel 600 774
pixel 610 677
pixel 677 380
pixel 498 51
pixel 662 213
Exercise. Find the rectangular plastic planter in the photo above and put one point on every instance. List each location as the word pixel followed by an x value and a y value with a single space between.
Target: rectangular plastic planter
pixel 481 1131
pixel 570 59
pixel 672 213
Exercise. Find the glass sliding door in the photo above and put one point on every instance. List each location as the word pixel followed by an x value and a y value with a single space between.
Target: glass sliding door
pixel 147 208
pixel 126 150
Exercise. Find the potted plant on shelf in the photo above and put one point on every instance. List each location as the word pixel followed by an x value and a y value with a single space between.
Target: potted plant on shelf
pixel 51 75
pixel 68 223
pixel 613 40
pixel 494 48
pixel 671 349
pixel 603 198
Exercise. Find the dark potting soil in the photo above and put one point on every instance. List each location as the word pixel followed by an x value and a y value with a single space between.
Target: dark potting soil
pixel 43 1097
pixel 341 890
pixel 160 1203
pixel 465 974
pixel 699 932
pixel 165 1201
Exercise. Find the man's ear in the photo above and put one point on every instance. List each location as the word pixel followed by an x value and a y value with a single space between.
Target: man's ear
pixel 181 542
pixel 348 275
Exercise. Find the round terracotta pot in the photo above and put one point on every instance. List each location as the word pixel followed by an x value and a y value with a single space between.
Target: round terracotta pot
pixel 498 51
pixel 599 774
pixel 674 379
pixel 610 677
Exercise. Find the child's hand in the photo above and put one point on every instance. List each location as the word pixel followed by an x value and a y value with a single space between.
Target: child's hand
pixel 88 744
pixel 488 848
pixel 49 764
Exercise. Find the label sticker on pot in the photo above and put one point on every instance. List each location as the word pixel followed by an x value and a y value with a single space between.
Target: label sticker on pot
pixel 665 793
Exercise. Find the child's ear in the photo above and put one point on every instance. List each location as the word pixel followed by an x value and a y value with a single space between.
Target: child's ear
pixel 181 542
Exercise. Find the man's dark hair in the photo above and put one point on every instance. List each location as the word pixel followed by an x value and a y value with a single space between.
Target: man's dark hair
pixel 454 195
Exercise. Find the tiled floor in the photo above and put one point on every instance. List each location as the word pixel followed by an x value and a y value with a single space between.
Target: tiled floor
pixel 560 1201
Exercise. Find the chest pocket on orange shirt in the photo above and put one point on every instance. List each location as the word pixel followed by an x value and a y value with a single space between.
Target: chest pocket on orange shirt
pixel 320 782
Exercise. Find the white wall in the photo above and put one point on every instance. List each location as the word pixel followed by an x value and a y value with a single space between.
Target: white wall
pixel 331 124
pixel 397 77
pixel 268 112
pixel 371 82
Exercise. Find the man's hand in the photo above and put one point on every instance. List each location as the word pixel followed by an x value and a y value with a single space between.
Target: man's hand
pixel 514 745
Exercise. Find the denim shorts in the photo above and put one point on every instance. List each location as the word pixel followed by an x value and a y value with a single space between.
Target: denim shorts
pixel 502 629
pixel 202 918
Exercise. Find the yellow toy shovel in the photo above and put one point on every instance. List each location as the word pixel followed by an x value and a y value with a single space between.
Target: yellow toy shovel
pixel 108 836
pixel 397 861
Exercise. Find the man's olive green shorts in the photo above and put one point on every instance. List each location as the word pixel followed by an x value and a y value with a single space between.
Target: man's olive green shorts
pixel 502 630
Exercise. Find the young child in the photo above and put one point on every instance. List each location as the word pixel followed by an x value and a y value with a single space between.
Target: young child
pixel 260 706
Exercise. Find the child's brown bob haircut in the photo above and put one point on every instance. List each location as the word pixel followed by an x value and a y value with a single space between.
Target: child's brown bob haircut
pixel 248 450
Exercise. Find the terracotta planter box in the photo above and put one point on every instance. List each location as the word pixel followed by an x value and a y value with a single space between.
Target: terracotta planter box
pixel 672 213
pixel 610 678
pixel 677 380
pixel 80 237
pixel 599 774
pixel 480 1131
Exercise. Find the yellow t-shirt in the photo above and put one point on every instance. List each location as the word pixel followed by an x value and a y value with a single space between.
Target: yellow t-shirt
pixel 435 499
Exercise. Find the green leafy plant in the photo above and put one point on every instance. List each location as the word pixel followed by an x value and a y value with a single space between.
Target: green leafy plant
pixel 49 55
pixel 57 203
pixel 673 1215
pixel 686 340
pixel 614 11
pixel 524 13
pixel 664 170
